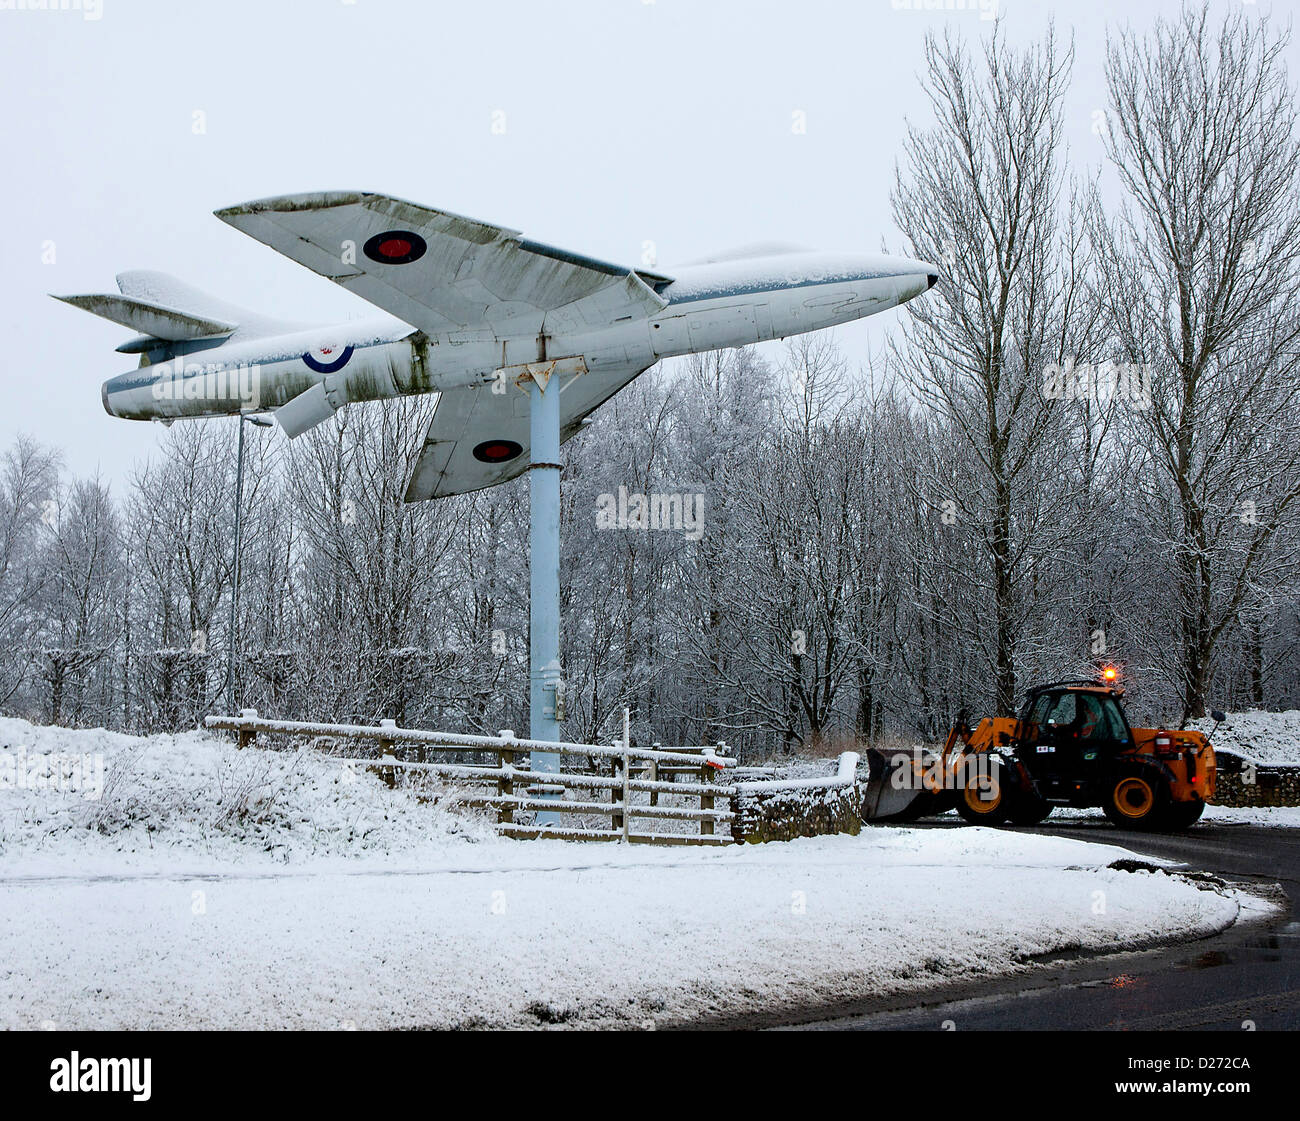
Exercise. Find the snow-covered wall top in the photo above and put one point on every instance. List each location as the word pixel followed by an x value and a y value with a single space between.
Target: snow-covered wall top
pixel 1266 737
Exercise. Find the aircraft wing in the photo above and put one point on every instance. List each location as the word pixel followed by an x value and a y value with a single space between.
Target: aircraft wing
pixel 478 438
pixel 444 273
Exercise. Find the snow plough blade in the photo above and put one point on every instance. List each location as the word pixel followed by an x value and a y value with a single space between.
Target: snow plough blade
pixel 891 790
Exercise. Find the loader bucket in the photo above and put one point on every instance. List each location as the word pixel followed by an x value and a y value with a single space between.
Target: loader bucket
pixel 887 797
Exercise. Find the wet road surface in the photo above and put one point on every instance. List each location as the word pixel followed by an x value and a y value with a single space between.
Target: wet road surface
pixel 1247 976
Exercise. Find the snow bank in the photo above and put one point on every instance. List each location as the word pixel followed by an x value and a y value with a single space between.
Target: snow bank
pixel 1281 817
pixel 1266 737
pixel 196 794
pixel 548 933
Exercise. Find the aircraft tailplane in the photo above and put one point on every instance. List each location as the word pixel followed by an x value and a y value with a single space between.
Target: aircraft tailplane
pixel 166 310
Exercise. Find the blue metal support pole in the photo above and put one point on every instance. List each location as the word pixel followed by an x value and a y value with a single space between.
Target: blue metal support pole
pixel 232 640
pixel 545 688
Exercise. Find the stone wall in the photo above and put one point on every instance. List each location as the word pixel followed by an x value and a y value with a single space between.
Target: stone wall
pixel 784 815
pixel 1241 783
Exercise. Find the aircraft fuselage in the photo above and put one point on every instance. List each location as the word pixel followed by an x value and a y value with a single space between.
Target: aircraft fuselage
pixel 712 306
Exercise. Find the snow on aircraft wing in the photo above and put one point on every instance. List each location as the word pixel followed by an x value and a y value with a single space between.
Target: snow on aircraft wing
pixel 441 272
pixel 478 438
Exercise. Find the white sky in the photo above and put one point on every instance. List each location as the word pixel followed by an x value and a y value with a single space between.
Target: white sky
pixel 626 121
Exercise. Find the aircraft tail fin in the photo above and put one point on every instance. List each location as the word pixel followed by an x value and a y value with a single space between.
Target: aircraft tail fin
pixel 163 288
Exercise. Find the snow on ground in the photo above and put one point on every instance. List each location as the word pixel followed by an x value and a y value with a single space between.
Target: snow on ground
pixel 198 795
pixel 1283 817
pixel 1266 737
pixel 348 904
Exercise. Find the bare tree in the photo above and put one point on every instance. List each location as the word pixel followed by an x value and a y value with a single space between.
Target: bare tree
pixel 1201 279
pixel 376 579
pixel 181 517
pixel 84 566
pixel 28 487
pixel 981 194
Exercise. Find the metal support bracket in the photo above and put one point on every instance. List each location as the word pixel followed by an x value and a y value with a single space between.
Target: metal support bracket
pixel 542 372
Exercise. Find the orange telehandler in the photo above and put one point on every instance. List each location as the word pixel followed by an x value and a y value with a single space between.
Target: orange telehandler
pixel 1071 745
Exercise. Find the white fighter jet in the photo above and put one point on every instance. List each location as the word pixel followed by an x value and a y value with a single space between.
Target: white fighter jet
pixel 473 309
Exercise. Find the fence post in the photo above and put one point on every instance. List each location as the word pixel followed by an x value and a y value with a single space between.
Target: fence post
pixel 246 735
pixel 706 803
pixel 388 774
pixel 627 773
pixel 618 817
pixel 506 785
pixel 707 800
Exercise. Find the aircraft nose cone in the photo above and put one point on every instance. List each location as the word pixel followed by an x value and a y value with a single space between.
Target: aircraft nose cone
pixel 929 270
pixel 914 266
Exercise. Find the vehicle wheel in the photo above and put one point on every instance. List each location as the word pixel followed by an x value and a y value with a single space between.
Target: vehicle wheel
pixel 1028 809
pixel 1137 800
pixel 1183 815
pixel 985 799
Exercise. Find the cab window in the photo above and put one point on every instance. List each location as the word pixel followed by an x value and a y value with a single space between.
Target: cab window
pixel 1111 725
pixel 1087 716
pixel 1063 712
pixel 1038 712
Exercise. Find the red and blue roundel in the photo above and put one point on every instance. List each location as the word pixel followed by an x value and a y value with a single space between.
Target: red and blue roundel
pixel 395 247
pixel 497 451
pixel 327 359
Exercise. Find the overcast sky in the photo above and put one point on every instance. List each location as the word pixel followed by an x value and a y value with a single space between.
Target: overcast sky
pixel 625 122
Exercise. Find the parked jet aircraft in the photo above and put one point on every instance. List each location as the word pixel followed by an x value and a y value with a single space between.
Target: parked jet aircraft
pixel 477 308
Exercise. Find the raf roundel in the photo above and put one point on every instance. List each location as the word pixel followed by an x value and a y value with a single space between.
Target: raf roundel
pixel 395 247
pixel 327 359
pixel 497 451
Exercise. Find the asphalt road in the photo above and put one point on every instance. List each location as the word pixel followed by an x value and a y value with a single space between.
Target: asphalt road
pixel 1249 975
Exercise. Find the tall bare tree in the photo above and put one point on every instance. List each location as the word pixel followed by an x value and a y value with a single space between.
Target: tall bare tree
pixel 83 560
pixel 981 195
pixel 1201 285
pixel 28 502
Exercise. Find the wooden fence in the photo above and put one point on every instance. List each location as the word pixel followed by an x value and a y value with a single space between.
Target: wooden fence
pixel 638 785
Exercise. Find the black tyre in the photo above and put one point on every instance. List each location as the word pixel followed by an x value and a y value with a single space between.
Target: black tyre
pixel 1183 815
pixel 1137 799
pixel 1028 808
pixel 985 797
